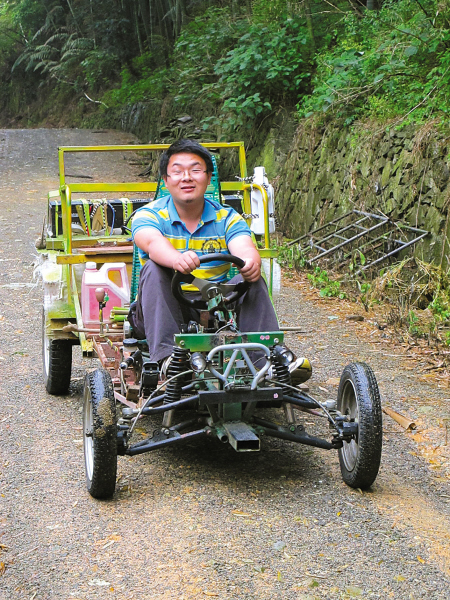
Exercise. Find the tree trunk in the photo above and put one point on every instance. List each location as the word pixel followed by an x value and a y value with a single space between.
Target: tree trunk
pixel 145 15
pixel 309 25
pixel 138 31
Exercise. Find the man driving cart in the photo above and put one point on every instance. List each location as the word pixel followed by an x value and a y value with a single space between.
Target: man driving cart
pixel 173 232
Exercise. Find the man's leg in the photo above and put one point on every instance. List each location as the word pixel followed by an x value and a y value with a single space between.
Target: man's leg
pixel 158 313
pixel 256 313
pixel 254 310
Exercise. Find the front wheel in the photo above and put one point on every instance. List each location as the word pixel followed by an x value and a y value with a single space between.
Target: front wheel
pixel 359 399
pixel 99 434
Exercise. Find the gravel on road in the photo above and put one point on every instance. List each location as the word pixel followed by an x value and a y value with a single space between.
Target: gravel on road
pixel 203 521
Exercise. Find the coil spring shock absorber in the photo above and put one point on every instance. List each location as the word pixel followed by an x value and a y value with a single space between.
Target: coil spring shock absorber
pixel 179 363
pixel 282 373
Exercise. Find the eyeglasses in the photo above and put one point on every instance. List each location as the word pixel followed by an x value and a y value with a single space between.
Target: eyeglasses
pixel 194 173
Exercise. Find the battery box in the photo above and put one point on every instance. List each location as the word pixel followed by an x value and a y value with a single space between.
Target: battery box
pixel 95 214
pixel 86 214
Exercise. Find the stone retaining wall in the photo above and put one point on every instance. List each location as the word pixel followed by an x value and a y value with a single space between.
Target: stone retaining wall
pixel 404 174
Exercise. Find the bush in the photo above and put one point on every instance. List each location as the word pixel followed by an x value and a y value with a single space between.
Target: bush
pixel 391 63
pixel 268 65
pixel 191 70
pixel 265 66
pixel 200 46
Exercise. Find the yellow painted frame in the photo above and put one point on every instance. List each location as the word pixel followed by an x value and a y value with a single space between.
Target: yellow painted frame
pixel 65 193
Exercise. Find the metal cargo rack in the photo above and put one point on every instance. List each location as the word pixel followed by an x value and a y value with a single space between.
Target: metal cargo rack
pixel 375 236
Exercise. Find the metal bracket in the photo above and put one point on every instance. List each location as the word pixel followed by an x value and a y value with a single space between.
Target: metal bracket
pixel 376 236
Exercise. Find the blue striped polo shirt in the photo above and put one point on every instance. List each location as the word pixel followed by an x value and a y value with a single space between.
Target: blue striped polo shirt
pixel 219 224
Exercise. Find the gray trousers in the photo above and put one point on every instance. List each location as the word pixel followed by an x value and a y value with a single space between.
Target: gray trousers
pixel 159 315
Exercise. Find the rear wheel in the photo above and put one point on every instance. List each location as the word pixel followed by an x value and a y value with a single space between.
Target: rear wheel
pixel 359 399
pixel 56 362
pixel 99 434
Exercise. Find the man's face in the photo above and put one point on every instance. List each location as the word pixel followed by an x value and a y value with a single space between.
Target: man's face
pixel 187 179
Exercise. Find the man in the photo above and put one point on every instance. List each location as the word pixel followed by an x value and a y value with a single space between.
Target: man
pixel 173 232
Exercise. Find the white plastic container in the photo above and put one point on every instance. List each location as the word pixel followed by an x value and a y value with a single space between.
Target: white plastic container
pixel 113 277
pixel 257 224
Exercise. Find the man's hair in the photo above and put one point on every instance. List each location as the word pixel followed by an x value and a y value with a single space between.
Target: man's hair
pixel 185 147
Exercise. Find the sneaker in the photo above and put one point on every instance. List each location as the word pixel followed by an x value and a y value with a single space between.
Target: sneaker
pixel 300 370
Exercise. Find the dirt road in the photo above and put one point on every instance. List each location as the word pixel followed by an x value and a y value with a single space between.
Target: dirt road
pixel 201 521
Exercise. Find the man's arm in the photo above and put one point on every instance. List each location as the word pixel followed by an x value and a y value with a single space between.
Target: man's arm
pixel 243 247
pixel 161 251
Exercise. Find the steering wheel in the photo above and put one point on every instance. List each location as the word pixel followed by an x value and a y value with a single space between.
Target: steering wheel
pixel 208 289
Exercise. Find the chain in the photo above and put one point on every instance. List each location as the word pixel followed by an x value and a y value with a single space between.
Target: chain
pixel 255 216
pixel 245 179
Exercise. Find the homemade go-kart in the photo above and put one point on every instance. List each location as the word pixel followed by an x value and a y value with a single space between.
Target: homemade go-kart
pixel 219 381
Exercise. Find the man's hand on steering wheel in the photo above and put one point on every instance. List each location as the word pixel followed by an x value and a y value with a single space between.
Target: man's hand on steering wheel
pixel 251 271
pixel 186 262
pixel 230 291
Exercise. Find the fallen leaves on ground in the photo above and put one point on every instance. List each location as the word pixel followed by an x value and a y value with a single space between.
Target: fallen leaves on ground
pixel 239 513
pixel 353 591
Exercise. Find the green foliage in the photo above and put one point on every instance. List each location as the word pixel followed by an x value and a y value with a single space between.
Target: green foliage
pixel 364 290
pixel 268 12
pixel 59 51
pixel 200 46
pixel 267 66
pixel 99 69
pixel 242 59
pixel 62 57
pixel 29 15
pixel 328 287
pixel 291 257
pixel 440 309
pixel 358 260
pixel 240 69
pixel 9 42
pixel 141 85
pixel 412 322
pixel 391 63
pixel 440 306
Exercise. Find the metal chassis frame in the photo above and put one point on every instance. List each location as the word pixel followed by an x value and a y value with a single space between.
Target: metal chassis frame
pixel 63 246
pixel 209 399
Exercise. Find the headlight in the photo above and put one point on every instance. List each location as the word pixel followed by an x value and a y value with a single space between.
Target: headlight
pixel 284 355
pixel 288 355
pixel 197 362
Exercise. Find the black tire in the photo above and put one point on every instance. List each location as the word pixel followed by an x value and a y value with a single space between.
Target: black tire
pixel 99 434
pixel 56 362
pixel 359 397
